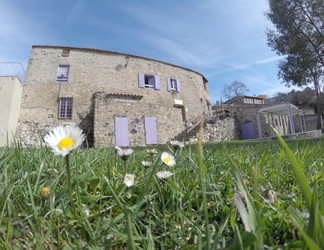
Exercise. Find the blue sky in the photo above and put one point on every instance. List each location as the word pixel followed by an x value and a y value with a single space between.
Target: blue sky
pixel 223 40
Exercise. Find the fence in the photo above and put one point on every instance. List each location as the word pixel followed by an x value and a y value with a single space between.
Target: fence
pixel 13 69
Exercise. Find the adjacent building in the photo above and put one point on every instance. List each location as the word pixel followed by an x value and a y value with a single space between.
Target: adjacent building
pixel 11 87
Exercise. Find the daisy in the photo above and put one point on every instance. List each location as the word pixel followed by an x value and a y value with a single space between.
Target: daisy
pixel 63 139
pixel 45 192
pixel 124 153
pixel 151 151
pixel 168 159
pixel 129 180
pixel 146 164
pixel 163 174
pixel 176 144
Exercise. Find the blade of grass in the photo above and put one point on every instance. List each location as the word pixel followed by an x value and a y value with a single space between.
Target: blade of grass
pixel 299 174
pixel 254 220
pixel 296 220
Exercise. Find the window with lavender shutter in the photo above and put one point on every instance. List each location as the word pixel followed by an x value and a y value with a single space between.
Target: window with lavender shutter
pixel 169 87
pixel 177 86
pixel 141 80
pixel 157 82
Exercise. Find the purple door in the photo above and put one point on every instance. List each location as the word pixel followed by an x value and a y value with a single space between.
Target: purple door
pixel 121 128
pixel 150 130
pixel 247 131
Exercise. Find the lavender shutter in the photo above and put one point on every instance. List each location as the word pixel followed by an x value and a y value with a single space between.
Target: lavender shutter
pixel 121 128
pixel 169 84
pixel 177 86
pixel 157 82
pixel 141 80
pixel 150 130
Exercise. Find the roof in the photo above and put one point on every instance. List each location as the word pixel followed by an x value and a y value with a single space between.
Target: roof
pixel 280 109
pixel 114 52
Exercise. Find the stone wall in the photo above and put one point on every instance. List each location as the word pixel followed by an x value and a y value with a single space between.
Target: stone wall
pixel 169 119
pixel 93 71
pixel 221 130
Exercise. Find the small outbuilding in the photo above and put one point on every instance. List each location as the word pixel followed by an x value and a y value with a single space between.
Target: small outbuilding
pixel 284 112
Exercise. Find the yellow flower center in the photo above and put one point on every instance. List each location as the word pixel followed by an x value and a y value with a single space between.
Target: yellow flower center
pixel 45 192
pixel 127 179
pixel 151 151
pixel 65 143
pixel 166 160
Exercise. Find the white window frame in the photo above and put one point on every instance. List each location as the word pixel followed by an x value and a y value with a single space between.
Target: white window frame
pixel 149 82
pixel 62 74
pixel 65 108
pixel 173 83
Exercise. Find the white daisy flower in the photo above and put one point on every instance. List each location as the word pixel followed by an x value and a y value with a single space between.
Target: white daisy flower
pixel 146 164
pixel 63 139
pixel 176 144
pixel 151 151
pixel 168 159
pixel 129 180
pixel 163 174
pixel 124 153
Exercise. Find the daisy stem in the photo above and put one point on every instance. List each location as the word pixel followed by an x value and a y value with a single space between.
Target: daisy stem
pixel 68 172
pixel 125 170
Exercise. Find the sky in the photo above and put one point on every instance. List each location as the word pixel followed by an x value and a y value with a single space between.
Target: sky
pixel 223 40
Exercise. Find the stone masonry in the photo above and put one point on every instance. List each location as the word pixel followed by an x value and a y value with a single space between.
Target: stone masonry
pixel 104 85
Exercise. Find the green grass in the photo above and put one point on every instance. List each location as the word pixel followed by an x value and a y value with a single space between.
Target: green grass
pixel 215 199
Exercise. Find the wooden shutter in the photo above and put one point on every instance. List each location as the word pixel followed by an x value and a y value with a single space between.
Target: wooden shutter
pixel 141 80
pixel 157 82
pixel 121 128
pixel 177 87
pixel 150 130
pixel 169 84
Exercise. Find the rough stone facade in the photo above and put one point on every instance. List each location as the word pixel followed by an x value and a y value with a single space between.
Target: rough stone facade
pixel 104 85
pixel 221 130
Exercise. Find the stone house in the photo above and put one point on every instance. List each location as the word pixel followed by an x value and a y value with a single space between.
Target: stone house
pixel 116 98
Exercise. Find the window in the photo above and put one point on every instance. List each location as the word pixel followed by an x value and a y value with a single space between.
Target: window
pixel 173 85
pixel 148 81
pixel 65 52
pixel 65 108
pixel 62 74
pixel 258 101
pixel 248 100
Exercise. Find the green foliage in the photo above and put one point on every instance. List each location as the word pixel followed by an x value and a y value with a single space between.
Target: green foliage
pixel 217 198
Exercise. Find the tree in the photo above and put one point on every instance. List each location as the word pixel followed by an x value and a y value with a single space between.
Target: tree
pixel 236 88
pixel 299 36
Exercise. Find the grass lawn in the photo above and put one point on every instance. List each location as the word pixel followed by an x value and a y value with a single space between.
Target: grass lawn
pixel 228 195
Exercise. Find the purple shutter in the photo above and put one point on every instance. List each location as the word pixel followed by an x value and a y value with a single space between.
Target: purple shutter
pixel 177 87
pixel 169 84
pixel 141 80
pixel 121 128
pixel 150 130
pixel 157 82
